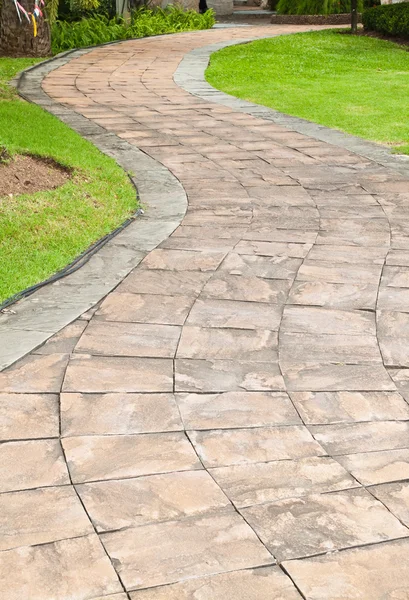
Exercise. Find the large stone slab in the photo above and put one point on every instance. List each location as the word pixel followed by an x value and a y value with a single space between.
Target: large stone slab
pixel 145 308
pixel 258 483
pixel 177 550
pixel 268 583
pixel 324 408
pixel 395 496
pixel 236 409
pixel 76 568
pixel 31 464
pixel 35 374
pixel 24 416
pixel 295 528
pixel 106 414
pixel 33 517
pixel 92 458
pixel 133 502
pixel 99 374
pixel 222 447
pixel 235 314
pixel 377 467
pixel 376 572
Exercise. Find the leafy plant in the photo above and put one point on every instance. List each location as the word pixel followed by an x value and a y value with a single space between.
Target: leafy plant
pixel 316 7
pixel 389 19
pixel 99 29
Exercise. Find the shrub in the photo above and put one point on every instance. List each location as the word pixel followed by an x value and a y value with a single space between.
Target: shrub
pixel 389 19
pixel 315 7
pixel 99 29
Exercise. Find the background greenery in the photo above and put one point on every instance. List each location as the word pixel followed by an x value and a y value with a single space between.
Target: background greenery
pixel 353 83
pixel 99 28
pixel 315 7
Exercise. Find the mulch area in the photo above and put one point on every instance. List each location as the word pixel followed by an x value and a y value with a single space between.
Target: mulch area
pixel 29 174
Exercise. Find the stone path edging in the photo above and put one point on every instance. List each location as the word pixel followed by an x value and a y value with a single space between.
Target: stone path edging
pixel 36 318
pixel 190 76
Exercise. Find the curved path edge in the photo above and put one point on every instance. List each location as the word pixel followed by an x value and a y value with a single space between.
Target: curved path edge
pixel 190 76
pixel 36 318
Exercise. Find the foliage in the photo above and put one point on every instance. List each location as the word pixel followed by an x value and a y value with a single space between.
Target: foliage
pixel 357 84
pixel 389 19
pixel 41 233
pixel 100 29
pixel 315 7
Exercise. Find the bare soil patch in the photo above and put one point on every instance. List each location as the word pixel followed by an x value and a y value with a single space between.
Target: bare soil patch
pixel 29 174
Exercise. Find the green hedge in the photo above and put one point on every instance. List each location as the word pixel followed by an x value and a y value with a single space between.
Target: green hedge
pixel 315 7
pixel 389 19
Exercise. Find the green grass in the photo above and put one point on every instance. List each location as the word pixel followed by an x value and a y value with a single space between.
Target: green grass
pixel 41 233
pixel 359 85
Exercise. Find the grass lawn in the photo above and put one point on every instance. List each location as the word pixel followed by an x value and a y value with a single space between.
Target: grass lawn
pixel 43 232
pixel 359 85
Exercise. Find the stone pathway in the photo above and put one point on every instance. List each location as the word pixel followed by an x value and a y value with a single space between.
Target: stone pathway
pixel 231 422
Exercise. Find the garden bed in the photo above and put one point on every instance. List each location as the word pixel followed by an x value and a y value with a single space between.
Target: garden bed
pixel 22 174
pixel 340 19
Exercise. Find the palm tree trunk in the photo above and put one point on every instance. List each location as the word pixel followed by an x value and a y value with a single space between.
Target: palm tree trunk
pixel 17 39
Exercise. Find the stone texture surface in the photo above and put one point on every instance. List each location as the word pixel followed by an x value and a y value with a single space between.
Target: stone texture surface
pixel 252 360
pixel 375 572
pixel 176 550
pixel 131 502
pixel 268 583
pixel 295 528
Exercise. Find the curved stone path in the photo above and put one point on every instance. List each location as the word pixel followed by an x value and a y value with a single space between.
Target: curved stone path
pixel 231 422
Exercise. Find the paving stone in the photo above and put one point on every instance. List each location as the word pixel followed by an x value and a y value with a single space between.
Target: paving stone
pixel 334 295
pixel 105 414
pixel 371 468
pixel 261 248
pixel 118 374
pixel 395 496
pixel 145 308
pixel 234 314
pixel 393 298
pixel 393 334
pixel 302 348
pixel 65 340
pixel 326 271
pixel 170 283
pixel 346 407
pixel 337 377
pixel 39 516
pixel 31 464
pixel 93 458
pixel 35 374
pixel 305 319
pixel 348 438
pixel 267 267
pixel 223 447
pixel 24 416
pixel 258 483
pixel 236 409
pixel 133 502
pixel 183 260
pixel 169 552
pixel 250 289
pixel 129 339
pixel 321 523
pixel 67 569
pixel 348 254
pixel 395 276
pixel 223 376
pixel 267 233
pixel 268 583
pixel 226 344
pixel 375 572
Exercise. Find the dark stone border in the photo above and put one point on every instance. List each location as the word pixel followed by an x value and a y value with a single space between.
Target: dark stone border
pixel 190 75
pixel 44 313
pixel 341 19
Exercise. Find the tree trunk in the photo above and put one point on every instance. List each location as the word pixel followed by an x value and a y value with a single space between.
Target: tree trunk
pixel 354 16
pixel 17 39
